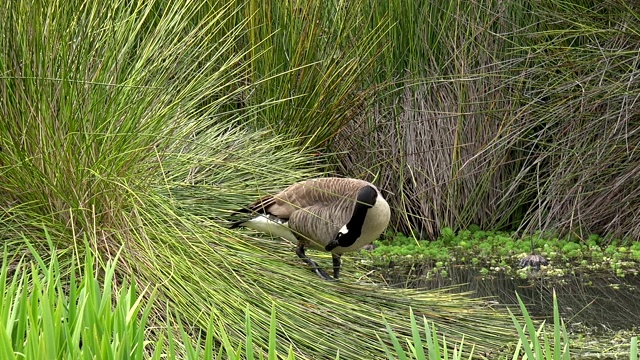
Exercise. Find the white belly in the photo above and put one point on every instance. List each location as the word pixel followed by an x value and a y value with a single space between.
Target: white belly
pixel 263 224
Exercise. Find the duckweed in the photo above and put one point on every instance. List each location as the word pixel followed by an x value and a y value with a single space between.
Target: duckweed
pixel 502 251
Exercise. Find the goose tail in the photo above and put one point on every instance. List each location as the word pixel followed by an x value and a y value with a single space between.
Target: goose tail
pixel 258 207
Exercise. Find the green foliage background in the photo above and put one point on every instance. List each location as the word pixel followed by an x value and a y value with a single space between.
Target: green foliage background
pixel 139 126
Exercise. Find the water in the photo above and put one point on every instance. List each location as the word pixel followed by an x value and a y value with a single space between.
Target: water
pixel 599 301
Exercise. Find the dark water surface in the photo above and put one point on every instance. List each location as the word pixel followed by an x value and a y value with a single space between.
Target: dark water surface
pixel 599 301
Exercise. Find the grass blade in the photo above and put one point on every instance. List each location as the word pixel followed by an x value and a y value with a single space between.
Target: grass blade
pixel 418 351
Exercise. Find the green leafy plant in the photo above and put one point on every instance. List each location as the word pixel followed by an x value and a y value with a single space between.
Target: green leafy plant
pixel 505 249
pixel 535 342
pixel 432 348
pixel 44 314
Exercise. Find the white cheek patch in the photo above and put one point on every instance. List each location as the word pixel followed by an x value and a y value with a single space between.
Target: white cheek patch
pixel 344 230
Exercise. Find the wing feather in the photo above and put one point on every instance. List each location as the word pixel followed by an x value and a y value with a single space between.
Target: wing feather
pixel 327 200
pixel 321 222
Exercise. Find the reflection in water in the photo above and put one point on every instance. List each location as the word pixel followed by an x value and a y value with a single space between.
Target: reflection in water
pixel 598 301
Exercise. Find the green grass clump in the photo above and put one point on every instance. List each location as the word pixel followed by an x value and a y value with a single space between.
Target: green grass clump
pixel 45 314
pixel 324 54
pixel 126 126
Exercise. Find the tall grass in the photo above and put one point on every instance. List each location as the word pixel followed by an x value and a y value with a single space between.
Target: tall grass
pixel 125 125
pixel 582 121
pixel 323 53
pixel 438 138
pixel 505 115
pixel 139 125
pixel 96 96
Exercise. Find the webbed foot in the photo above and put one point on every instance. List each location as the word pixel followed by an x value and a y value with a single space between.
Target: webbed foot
pixel 322 274
pixel 312 264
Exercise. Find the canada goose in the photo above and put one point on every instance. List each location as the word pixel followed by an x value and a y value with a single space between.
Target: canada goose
pixel 332 214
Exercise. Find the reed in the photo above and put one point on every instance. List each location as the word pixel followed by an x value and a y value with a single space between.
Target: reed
pixel 127 128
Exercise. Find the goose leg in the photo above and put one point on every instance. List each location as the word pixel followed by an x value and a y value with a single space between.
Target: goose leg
pixel 314 266
pixel 336 265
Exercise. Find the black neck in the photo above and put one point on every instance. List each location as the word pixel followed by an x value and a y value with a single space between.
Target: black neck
pixel 365 201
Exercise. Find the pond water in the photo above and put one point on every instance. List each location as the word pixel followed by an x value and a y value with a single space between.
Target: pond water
pixel 597 301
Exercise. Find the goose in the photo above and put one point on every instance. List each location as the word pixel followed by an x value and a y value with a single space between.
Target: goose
pixel 333 214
